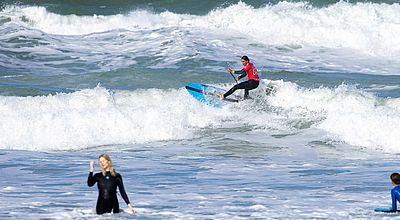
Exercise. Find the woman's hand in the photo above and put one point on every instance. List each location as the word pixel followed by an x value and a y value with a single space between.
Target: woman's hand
pixel 131 208
pixel 92 166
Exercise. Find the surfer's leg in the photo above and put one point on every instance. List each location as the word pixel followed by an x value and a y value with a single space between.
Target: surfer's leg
pixel 250 86
pixel 241 85
pixel 246 93
pixel 232 90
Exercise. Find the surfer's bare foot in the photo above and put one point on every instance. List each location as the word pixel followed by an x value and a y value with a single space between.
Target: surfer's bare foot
pixel 221 96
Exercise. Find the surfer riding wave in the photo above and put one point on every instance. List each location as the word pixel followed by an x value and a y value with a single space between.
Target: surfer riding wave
pixel 252 82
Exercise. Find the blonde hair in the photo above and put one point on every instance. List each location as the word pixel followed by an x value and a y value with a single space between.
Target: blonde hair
pixel 112 170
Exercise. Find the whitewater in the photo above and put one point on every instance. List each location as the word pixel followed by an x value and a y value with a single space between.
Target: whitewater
pixel 95 117
pixel 294 32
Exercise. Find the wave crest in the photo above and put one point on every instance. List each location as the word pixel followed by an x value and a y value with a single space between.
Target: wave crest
pixel 368 27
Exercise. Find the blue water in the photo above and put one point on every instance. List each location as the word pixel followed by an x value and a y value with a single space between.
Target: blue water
pixel 80 79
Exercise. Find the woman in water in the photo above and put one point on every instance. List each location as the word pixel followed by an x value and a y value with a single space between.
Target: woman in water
pixel 107 181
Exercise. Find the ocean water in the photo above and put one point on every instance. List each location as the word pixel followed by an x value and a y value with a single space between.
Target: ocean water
pixel 82 78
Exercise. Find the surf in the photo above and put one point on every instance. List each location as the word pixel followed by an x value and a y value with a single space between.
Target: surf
pixel 366 27
pixel 98 116
pixel 341 37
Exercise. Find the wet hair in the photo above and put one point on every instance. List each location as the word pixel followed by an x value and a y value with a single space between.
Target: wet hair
pixel 112 170
pixel 395 177
pixel 245 58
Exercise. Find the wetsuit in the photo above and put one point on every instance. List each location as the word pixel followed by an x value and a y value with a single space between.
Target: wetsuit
pixel 395 193
pixel 252 83
pixel 107 200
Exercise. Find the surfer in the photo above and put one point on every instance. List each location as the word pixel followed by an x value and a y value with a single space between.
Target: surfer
pixel 251 83
pixel 107 181
pixel 395 193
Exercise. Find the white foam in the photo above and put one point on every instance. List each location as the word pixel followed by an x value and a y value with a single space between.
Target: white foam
pixel 95 117
pixel 293 37
pixel 367 27
pixel 383 87
pixel 39 18
pixel 9 188
pixel 11 76
pixel 348 114
pixel 258 208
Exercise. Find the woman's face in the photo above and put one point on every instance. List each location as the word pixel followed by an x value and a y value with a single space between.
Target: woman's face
pixel 244 62
pixel 104 163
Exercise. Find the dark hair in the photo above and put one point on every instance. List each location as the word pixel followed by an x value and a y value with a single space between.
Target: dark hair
pixel 395 177
pixel 245 58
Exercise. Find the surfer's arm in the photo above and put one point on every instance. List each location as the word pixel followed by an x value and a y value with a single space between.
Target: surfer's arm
pixel 242 73
pixel 239 71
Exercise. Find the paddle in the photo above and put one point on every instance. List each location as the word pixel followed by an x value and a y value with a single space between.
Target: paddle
pixel 230 68
pixel 233 77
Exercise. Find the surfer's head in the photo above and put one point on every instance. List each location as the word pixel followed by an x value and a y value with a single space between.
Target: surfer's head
pixel 106 164
pixel 395 177
pixel 245 60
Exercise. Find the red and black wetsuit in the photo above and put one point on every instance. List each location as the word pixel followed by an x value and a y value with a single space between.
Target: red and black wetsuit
pixel 107 200
pixel 252 83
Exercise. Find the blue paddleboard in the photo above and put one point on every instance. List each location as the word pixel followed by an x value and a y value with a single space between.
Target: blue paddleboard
pixel 384 209
pixel 208 94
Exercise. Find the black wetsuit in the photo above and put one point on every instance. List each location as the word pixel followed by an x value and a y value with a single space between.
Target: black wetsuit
pixel 107 200
pixel 247 85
